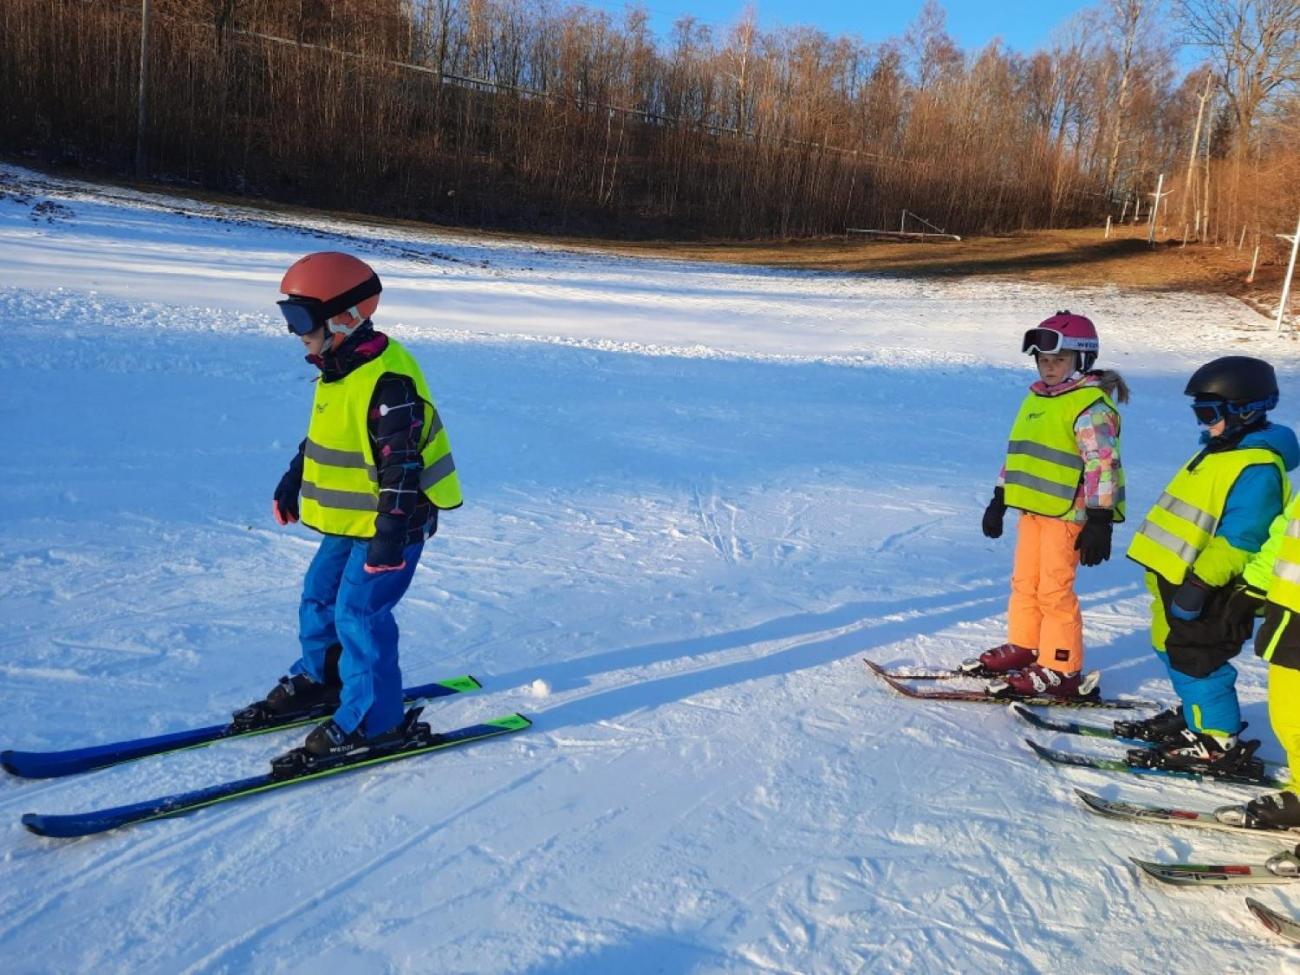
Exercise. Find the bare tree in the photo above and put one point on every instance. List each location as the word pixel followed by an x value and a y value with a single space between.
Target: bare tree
pixel 1125 17
pixel 550 115
pixel 1255 47
pixel 1189 187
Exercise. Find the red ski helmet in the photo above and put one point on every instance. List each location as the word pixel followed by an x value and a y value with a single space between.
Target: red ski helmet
pixel 325 286
pixel 1064 332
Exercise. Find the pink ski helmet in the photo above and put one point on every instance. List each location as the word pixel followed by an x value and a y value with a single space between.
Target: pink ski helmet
pixel 1064 332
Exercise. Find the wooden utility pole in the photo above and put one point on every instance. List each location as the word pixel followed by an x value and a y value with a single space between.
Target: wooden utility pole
pixel 142 103
pixel 1189 188
pixel 1290 270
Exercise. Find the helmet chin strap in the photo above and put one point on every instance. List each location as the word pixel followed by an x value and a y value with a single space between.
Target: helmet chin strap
pixel 335 329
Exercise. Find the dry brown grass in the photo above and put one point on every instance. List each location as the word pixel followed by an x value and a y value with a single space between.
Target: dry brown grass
pixel 1081 257
pixel 1068 257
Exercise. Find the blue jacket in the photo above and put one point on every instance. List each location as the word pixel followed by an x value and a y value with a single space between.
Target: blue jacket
pixel 1256 499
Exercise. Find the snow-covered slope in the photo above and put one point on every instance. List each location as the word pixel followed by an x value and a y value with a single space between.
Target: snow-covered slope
pixel 697 496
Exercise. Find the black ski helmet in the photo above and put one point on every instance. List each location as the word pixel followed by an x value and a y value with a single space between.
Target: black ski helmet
pixel 1247 385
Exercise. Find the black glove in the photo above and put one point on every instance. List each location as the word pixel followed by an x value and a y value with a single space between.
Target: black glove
pixel 1093 542
pixel 285 499
pixel 1279 637
pixel 1244 604
pixel 386 547
pixel 993 514
pixel 382 556
pixel 1189 599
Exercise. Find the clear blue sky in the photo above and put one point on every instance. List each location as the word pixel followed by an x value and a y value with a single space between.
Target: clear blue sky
pixel 1023 25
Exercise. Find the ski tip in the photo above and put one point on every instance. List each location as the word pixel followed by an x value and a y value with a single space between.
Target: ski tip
pixel 1098 805
pixel 1151 869
pixel 63 827
pixel 32 765
pixel 1267 917
pixel 1279 924
pixel 462 684
pixel 1038 749
pixel 512 722
pixel 35 765
pixel 35 823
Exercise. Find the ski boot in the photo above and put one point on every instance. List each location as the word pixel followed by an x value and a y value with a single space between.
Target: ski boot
pixel 1222 756
pixel 998 661
pixel 1274 811
pixel 1039 681
pixel 1163 726
pixel 329 746
pixel 295 697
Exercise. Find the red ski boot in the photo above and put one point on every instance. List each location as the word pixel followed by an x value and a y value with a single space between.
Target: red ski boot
pixel 999 660
pixel 1039 681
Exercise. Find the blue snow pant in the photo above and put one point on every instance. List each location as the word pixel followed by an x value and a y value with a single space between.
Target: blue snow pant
pixel 1210 702
pixel 343 604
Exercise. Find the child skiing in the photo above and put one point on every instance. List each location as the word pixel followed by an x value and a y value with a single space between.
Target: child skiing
pixel 1195 544
pixel 370 476
pixel 1063 474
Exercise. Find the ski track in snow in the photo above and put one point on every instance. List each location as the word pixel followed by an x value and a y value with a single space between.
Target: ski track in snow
pixel 697 496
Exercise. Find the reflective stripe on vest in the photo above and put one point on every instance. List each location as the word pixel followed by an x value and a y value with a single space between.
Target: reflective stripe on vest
pixel 340 488
pixel 1285 590
pixel 1043 467
pixel 1180 525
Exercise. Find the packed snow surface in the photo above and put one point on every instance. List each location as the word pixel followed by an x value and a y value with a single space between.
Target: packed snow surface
pixel 697 496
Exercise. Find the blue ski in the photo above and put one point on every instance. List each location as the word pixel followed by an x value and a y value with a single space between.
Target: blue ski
pixel 48 765
pixel 422 742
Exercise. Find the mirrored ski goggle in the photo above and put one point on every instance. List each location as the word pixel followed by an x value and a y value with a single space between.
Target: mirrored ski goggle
pixel 304 315
pixel 1210 411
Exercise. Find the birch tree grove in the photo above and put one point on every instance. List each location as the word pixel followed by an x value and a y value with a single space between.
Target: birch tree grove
pixel 541 114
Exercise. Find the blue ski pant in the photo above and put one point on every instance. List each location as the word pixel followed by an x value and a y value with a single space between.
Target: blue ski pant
pixel 1210 702
pixel 343 604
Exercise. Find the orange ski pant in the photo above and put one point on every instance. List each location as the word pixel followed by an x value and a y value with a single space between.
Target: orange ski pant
pixel 1043 613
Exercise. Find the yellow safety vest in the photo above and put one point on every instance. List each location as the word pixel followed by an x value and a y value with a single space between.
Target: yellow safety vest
pixel 1285 586
pixel 340 482
pixel 1043 468
pixel 1186 517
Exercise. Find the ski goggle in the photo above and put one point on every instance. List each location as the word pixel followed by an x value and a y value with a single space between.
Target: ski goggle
pixel 304 315
pixel 1050 342
pixel 1210 411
